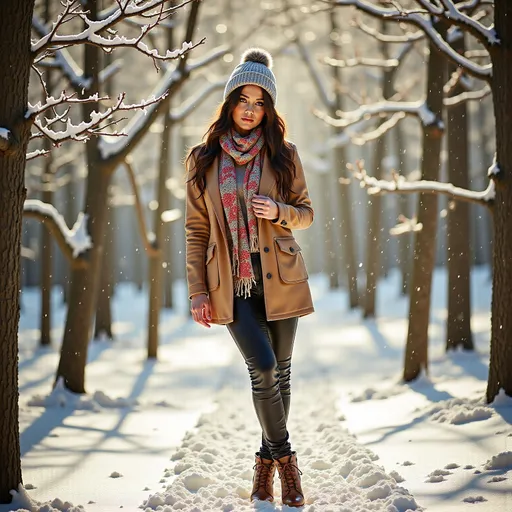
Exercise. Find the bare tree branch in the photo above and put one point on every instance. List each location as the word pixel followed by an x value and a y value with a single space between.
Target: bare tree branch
pixel 116 151
pixel 318 80
pixel 408 37
pixel 178 114
pixel 400 185
pixel 148 239
pixel 486 35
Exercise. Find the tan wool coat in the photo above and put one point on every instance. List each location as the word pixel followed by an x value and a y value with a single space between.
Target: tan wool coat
pixel 285 278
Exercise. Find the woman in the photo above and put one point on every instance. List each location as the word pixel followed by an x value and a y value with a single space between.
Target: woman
pixel 246 191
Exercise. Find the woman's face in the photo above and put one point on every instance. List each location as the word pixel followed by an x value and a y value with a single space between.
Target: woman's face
pixel 249 111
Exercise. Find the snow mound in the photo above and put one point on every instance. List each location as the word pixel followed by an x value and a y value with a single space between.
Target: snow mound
pixel 501 461
pixel 474 499
pixel 62 397
pixel 374 394
pixel 213 465
pixel 437 475
pixel 502 400
pixel 458 411
pixel 22 502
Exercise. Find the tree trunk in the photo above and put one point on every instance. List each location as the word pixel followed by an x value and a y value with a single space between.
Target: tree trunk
pixel 46 239
pixel 84 282
pixel 103 319
pixel 156 260
pixel 15 61
pixel 458 328
pixel 156 281
pixel 416 352
pixel 373 246
pixel 345 222
pixel 46 257
pixel 404 241
pixel 500 366
pixel 169 251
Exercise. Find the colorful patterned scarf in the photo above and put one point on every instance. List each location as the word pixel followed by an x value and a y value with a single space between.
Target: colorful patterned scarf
pixel 243 151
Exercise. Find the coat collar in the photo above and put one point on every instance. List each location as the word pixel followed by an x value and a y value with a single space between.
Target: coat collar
pixel 267 184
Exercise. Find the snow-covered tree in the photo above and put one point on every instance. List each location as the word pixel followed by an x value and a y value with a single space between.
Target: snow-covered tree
pixel 21 122
pixel 496 40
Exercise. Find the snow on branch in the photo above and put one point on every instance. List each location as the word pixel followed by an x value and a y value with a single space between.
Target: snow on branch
pixel 382 108
pixel 73 242
pixel 406 225
pixel 84 130
pixel 422 19
pixel 363 61
pixel 360 139
pixel 99 32
pixel 51 102
pixel 37 153
pixel 116 149
pixel 399 184
pixel 467 96
pixel 5 139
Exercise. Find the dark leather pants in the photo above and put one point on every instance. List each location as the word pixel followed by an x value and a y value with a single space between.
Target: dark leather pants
pixel 267 349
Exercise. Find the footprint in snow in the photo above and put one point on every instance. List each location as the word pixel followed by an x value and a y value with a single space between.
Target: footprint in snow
pixel 452 465
pixel 407 463
pixel 115 474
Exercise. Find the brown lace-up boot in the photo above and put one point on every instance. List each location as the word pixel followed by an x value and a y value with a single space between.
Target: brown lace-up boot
pixel 289 474
pixel 263 479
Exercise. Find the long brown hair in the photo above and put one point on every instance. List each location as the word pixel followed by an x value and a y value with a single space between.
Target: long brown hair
pixel 276 148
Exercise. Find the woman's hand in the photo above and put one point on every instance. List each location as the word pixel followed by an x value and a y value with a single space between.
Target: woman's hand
pixel 264 207
pixel 201 309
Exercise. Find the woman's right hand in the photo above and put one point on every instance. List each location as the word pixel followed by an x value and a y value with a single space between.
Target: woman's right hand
pixel 201 309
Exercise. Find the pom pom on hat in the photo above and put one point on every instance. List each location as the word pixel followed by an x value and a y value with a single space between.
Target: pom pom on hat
pixel 257 55
pixel 254 69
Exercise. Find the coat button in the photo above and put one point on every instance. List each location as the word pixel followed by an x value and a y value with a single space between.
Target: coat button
pixel 292 249
pixel 266 249
pixel 269 276
pixel 283 223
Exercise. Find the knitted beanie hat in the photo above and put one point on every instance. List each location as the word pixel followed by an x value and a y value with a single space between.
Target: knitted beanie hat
pixel 254 69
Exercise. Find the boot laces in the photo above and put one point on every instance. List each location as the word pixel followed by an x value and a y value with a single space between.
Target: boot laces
pixel 263 473
pixel 290 476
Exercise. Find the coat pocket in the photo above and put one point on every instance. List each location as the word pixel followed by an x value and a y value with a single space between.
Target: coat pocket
pixel 212 268
pixel 290 262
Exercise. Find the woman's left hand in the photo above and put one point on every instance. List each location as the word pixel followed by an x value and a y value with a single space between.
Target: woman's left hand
pixel 264 207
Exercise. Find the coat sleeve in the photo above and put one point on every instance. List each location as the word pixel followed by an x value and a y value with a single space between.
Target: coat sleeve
pixel 298 212
pixel 197 234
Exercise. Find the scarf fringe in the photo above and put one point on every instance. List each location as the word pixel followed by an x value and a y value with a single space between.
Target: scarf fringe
pixel 243 286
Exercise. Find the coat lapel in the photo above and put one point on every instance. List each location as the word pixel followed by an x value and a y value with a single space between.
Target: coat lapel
pixel 212 186
pixel 267 180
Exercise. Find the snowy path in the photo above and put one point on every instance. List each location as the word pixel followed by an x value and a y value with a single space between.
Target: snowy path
pixel 213 464
pixel 345 378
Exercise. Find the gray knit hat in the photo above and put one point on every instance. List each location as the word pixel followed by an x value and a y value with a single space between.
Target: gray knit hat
pixel 254 69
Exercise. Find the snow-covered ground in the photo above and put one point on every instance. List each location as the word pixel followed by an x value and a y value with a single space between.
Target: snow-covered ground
pixel 180 433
